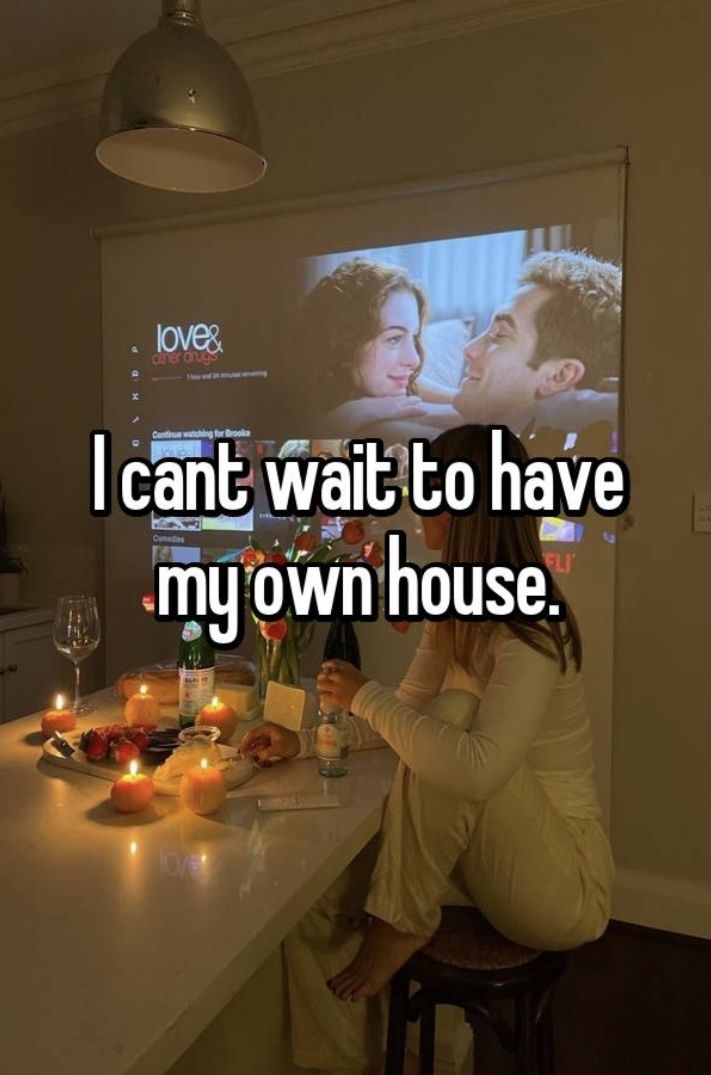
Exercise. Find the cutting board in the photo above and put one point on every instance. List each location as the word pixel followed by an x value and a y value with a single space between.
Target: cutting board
pixel 238 773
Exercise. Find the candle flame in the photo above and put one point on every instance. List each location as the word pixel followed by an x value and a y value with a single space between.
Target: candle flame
pixel 203 763
pixel 143 689
pixel 59 701
pixel 215 700
pixel 133 767
pixel 133 847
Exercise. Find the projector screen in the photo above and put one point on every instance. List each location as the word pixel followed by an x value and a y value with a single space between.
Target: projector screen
pixel 398 314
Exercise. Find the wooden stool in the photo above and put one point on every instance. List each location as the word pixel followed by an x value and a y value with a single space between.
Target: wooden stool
pixel 471 966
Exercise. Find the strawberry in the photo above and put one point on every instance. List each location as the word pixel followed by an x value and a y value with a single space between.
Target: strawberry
pixel 123 751
pixel 140 738
pixel 95 745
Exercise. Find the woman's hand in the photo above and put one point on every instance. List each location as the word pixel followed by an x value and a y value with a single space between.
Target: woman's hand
pixel 339 682
pixel 269 744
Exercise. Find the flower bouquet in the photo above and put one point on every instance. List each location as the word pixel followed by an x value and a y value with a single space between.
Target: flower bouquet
pixel 281 643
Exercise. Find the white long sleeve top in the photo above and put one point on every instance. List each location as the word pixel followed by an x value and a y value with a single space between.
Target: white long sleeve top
pixel 469 733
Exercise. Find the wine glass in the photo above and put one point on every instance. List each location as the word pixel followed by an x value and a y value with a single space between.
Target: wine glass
pixel 77 633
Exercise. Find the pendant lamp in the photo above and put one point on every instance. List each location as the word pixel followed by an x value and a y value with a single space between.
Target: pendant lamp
pixel 177 113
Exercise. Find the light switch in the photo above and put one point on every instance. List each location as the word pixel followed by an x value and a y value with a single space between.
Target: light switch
pixel 702 513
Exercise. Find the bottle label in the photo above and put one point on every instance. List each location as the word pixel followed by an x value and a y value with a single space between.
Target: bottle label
pixel 197 686
pixel 331 741
pixel 191 631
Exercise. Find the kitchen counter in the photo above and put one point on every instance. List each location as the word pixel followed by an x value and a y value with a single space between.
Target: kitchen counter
pixel 124 936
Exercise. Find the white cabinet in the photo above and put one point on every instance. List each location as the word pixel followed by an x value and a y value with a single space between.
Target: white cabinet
pixel 31 670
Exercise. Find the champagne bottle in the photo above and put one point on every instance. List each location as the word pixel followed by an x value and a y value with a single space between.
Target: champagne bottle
pixel 196 673
pixel 342 643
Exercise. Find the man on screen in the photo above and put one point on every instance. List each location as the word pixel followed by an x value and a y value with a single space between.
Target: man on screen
pixel 549 350
pixel 550 357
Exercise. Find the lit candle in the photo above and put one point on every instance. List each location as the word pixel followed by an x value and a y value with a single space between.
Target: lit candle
pixel 142 707
pixel 58 719
pixel 203 788
pixel 133 791
pixel 221 716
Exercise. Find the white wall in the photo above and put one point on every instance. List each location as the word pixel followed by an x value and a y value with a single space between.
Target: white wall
pixel 635 74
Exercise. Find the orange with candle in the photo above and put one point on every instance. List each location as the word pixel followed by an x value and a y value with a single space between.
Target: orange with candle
pixel 132 792
pixel 203 789
pixel 58 719
pixel 141 707
pixel 219 715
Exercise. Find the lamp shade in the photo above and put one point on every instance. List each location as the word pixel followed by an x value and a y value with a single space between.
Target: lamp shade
pixel 177 113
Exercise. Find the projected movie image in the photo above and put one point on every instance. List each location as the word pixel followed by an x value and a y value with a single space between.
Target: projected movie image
pixel 518 328
pixel 491 329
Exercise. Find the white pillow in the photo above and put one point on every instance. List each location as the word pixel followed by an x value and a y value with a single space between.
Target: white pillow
pixel 444 343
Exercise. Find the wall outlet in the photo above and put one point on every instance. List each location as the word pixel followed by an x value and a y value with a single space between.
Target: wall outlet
pixel 702 513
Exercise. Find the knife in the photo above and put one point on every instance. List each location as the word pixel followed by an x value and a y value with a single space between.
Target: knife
pixel 63 745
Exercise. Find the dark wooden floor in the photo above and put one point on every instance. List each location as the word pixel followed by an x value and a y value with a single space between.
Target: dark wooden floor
pixel 637 1002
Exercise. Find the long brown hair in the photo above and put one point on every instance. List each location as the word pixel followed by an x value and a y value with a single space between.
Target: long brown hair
pixel 482 538
pixel 338 318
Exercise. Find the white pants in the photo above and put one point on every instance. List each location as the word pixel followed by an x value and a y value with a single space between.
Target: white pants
pixel 541 879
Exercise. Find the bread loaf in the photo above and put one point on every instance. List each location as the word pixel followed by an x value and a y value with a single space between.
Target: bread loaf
pixel 162 680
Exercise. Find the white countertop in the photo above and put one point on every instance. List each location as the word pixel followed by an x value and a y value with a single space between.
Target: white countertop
pixel 123 936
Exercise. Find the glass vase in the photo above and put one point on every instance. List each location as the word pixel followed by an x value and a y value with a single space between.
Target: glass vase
pixel 280 661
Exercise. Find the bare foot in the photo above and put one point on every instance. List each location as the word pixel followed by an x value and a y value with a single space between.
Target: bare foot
pixel 383 951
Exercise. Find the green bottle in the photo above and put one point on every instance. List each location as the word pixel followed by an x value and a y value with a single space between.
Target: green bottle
pixel 196 673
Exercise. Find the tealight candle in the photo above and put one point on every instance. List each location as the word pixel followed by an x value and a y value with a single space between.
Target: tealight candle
pixel 221 716
pixel 58 719
pixel 133 791
pixel 141 707
pixel 203 788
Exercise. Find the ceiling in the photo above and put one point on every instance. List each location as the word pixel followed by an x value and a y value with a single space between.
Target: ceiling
pixel 43 33
pixel 55 54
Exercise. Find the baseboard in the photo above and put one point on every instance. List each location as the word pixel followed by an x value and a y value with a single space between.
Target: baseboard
pixel 668 903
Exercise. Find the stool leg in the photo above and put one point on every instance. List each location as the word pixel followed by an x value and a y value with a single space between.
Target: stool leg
pixel 545 1040
pixel 397 1024
pixel 428 1016
pixel 526 1052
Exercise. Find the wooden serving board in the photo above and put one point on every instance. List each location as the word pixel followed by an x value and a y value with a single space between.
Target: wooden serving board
pixel 237 774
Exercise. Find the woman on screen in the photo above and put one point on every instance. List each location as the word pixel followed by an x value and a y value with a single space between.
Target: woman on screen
pixel 358 347
pixel 494 802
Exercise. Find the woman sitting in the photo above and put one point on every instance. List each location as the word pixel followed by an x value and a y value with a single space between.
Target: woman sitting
pixel 494 802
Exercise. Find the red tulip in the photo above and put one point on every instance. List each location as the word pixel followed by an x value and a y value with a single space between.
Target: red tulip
pixel 275 557
pixel 252 557
pixel 353 532
pixel 306 541
pixel 273 632
pixel 372 553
